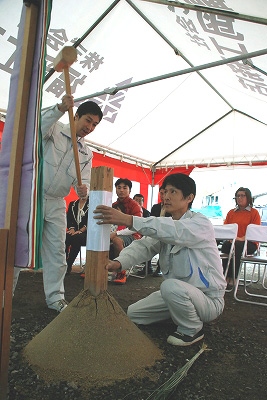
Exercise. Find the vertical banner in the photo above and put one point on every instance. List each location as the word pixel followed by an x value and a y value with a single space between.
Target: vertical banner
pixel 29 222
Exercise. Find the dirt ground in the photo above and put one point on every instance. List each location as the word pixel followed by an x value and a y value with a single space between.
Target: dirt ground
pixel 234 367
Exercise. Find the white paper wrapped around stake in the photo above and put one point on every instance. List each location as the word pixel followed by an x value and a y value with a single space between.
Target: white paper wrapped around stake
pixel 98 236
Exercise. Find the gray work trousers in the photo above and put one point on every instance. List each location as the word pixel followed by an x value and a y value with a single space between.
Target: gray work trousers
pixel 185 304
pixel 53 249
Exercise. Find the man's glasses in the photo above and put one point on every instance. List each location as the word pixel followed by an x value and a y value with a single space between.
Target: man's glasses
pixel 240 195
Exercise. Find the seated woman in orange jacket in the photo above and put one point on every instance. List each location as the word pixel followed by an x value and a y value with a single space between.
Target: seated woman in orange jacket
pixel 243 215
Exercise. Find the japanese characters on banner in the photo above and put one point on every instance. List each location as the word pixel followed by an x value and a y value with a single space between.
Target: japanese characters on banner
pixel 88 62
pixel 216 27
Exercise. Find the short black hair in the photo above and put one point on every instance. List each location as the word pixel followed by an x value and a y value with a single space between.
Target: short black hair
pixel 119 206
pixel 182 182
pixel 125 181
pixel 89 107
pixel 139 195
pixel 248 195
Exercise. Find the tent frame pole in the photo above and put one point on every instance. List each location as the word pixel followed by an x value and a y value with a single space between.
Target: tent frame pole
pixel 192 138
pixel 199 133
pixel 114 90
pixel 254 67
pixel 217 11
pixel 153 169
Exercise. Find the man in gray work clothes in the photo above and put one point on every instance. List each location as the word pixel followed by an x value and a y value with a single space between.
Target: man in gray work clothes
pixel 59 177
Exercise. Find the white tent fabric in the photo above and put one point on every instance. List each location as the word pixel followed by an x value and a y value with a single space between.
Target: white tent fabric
pixel 215 116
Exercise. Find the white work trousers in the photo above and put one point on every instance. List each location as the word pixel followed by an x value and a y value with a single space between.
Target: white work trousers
pixel 185 304
pixel 53 249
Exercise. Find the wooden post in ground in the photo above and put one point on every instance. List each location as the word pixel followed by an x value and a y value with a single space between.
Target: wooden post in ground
pixel 8 234
pixel 85 353
pixel 96 276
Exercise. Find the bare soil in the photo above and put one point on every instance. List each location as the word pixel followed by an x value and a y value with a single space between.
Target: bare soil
pixel 234 367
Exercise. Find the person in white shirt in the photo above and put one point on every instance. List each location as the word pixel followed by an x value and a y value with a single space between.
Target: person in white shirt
pixel 193 288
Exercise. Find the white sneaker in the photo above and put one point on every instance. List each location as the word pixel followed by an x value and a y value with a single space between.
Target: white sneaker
pixel 59 305
pixel 112 276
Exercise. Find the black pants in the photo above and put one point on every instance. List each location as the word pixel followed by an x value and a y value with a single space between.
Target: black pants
pixel 72 247
pixel 226 246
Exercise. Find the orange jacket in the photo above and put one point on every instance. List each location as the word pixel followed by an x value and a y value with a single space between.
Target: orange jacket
pixel 243 218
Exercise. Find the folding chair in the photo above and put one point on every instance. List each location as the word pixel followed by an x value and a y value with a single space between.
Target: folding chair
pixel 227 232
pixel 254 233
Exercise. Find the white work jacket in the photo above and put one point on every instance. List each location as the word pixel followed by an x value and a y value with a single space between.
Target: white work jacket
pixel 59 164
pixel 187 250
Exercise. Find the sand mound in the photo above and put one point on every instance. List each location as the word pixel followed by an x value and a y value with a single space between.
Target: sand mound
pixel 92 341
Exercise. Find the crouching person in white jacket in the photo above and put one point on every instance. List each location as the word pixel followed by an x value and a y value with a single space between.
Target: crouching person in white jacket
pixel 193 288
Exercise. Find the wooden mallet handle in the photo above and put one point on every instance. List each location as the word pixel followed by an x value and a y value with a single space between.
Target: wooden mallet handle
pixel 72 128
pixel 63 61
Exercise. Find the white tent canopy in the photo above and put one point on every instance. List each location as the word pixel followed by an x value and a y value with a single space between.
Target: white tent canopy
pixel 214 116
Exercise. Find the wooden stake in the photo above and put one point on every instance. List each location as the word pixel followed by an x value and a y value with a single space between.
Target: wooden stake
pixel 96 276
pixel 8 234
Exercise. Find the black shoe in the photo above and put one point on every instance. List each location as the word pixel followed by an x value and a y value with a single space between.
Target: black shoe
pixel 179 339
pixel 69 268
pixel 142 272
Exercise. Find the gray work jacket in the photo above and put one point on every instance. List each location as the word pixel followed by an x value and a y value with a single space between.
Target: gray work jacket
pixel 187 250
pixel 59 165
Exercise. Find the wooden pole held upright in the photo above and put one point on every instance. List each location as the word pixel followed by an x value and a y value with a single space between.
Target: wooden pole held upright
pixel 96 276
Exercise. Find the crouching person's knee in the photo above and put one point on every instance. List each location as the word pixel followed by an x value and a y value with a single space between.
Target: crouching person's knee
pixel 131 313
pixel 171 287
